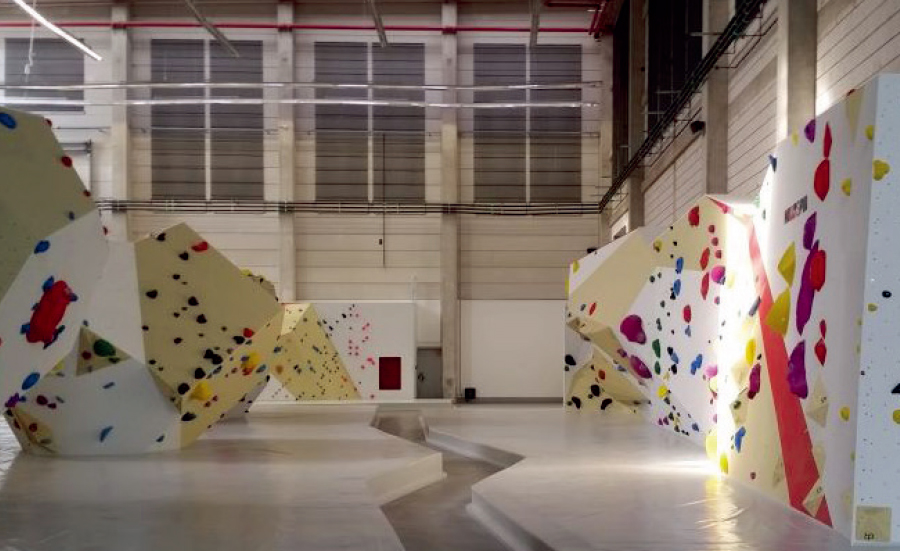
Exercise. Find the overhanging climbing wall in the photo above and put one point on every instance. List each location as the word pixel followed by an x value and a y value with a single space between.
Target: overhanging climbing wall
pixel 766 330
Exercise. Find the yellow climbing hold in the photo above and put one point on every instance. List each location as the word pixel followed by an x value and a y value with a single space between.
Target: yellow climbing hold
pixel 712 444
pixel 780 313
pixel 787 264
pixel 795 139
pixel 847 186
pixel 750 351
pixel 723 463
pixel 897 416
pixel 662 391
pixel 202 392
pixel 575 266
pixel 250 363
pixel 880 169
pixel 870 131
pixel 657 245
pixel 845 413
pixel 872 307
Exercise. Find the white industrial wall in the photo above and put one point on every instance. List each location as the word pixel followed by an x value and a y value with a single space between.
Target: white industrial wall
pixel 679 186
pixel 508 266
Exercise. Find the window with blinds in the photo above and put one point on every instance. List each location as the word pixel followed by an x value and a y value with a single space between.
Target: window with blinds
pixel 368 152
pixel 206 151
pixel 52 62
pixel 527 154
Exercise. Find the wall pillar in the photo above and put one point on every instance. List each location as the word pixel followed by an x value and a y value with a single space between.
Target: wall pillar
pixel 287 253
pixel 637 106
pixel 715 101
pixel 450 332
pixel 797 50
pixel 120 128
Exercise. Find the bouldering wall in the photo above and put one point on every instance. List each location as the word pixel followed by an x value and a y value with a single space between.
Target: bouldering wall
pixel 765 330
pixel 53 252
pixel 175 337
pixel 375 344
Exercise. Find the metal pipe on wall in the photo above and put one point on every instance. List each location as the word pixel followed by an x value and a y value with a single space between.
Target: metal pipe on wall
pixel 295 27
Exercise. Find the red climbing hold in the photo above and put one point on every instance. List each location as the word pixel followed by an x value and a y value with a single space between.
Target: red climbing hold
pixel 694 216
pixel 822 179
pixel 248 332
pixel 200 247
pixel 66 161
pixel 704 258
pixel 592 309
pixel 826 143
pixel 704 285
pixel 44 324
pixel 602 375
pixel 823 327
pixel 687 314
pixel 821 351
pixel 817 270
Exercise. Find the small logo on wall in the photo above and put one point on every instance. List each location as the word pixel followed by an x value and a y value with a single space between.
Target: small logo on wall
pixel 795 210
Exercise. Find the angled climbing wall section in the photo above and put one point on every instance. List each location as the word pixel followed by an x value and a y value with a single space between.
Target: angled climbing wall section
pixel 766 330
pixel 53 250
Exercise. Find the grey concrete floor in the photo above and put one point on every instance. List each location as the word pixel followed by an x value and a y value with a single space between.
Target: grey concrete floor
pixel 434 518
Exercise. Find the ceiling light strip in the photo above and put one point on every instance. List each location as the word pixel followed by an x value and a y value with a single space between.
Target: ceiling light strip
pixel 59 32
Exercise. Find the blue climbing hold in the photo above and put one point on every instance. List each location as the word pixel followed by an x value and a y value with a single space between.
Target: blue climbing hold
pixel 676 287
pixel 739 438
pixel 105 432
pixel 696 364
pixel 679 265
pixel 7 120
pixel 42 246
pixel 109 385
pixel 31 380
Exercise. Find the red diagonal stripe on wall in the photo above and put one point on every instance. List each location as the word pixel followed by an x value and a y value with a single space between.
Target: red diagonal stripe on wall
pixel 800 467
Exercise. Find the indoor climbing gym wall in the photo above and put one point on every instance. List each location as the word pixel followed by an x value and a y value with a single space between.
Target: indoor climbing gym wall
pixel 375 346
pixel 764 330
pixel 53 251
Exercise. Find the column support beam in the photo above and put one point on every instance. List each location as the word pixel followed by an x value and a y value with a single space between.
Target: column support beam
pixel 287 254
pixel 120 128
pixel 450 309
pixel 637 105
pixel 797 51
pixel 715 101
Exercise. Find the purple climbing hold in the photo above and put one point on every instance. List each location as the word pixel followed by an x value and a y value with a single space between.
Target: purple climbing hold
pixel 810 131
pixel 809 231
pixel 807 293
pixel 797 371
pixel 633 329
pixel 754 382
pixel 711 371
pixel 640 368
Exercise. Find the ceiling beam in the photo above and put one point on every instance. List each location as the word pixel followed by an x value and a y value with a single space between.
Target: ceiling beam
pixel 379 24
pixel 535 22
pixel 212 29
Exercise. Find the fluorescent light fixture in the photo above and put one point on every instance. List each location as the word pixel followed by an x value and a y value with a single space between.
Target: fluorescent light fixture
pixel 68 37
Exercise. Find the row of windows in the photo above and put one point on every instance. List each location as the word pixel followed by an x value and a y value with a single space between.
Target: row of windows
pixel 362 152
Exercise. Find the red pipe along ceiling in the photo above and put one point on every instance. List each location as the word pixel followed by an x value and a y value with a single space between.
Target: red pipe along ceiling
pixel 292 27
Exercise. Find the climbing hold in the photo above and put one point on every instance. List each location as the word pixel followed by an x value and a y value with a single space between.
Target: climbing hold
pixel 200 247
pixel 847 186
pixel 704 258
pixel 810 130
pixel 809 231
pixel 632 328
pixel 42 246
pixel 739 438
pixel 897 416
pixel 696 364
pixel 822 179
pixel 723 463
pixel 797 371
pixel 754 381
pixel 662 391
pixel 750 351
pixel 686 313
pixel 8 121
pixel 717 274
pixel 655 346
pixel 30 380
pixel 870 132
pixel 821 351
pixel 880 169
pixel 711 444
pixel 104 348
pixel 105 432
pixel 872 307
pixel 679 265
pixel 694 216
pixel 817 269
pixel 639 367
pixel 845 413
pixel 575 266
pixel 787 264
pixel 780 312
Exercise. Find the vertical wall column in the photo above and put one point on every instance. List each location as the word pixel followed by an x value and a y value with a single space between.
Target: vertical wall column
pixel 120 129
pixel 797 45
pixel 450 332
pixel 287 254
pixel 715 100
pixel 637 106
pixel 606 144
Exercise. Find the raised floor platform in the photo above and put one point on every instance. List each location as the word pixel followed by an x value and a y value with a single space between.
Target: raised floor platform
pixel 611 484
pixel 289 478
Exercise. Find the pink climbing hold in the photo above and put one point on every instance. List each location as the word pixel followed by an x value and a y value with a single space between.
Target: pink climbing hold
pixel 754 381
pixel 640 368
pixel 718 274
pixel 711 371
pixel 694 217
pixel 633 329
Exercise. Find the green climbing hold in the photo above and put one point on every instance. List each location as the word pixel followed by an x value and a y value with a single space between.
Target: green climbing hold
pixel 104 348
pixel 656 348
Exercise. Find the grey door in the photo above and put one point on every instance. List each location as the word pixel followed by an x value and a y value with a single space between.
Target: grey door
pixel 429 371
